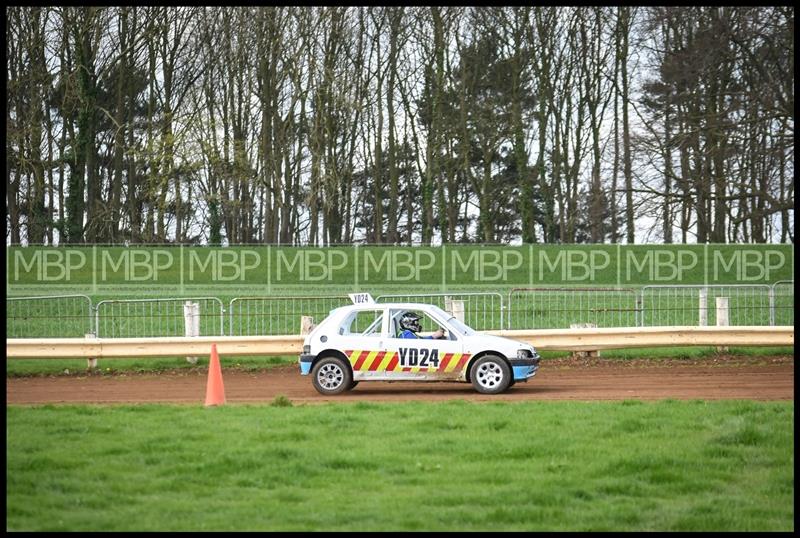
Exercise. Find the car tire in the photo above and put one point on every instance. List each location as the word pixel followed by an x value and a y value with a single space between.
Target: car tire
pixel 490 375
pixel 352 385
pixel 331 376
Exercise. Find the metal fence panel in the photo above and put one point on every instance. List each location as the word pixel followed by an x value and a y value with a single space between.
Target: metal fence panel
pixel 52 316
pixel 527 308
pixel 253 316
pixel 748 304
pixel 558 308
pixel 783 302
pixel 482 311
pixel 156 317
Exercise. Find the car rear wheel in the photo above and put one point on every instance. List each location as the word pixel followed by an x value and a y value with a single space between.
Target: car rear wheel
pixel 331 375
pixel 490 375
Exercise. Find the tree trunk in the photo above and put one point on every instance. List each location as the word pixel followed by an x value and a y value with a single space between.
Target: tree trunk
pixel 377 176
pixel 668 174
pixel 630 224
pixel 87 123
pixel 486 213
pixel 431 171
pixel 392 236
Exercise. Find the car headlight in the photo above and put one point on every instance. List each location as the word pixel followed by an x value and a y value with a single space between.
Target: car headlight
pixel 523 353
pixel 306 349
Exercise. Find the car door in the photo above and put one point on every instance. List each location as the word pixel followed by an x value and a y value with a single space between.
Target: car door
pixel 362 339
pixel 423 358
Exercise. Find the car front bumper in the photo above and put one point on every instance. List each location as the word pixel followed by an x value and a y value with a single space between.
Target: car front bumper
pixel 305 363
pixel 524 369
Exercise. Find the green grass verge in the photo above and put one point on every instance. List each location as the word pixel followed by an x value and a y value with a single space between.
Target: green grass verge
pixel 34 367
pixel 455 466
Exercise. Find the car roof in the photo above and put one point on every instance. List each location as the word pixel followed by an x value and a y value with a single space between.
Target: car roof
pixel 408 306
pixel 375 306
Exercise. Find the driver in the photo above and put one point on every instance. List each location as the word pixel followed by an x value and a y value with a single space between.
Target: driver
pixel 409 327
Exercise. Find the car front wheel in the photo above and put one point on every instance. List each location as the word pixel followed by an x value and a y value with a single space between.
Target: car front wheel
pixel 331 376
pixel 490 375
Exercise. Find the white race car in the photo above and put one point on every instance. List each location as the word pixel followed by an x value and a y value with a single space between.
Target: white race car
pixel 370 341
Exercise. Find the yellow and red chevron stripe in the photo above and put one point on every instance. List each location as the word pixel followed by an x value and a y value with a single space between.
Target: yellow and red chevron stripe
pixel 388 361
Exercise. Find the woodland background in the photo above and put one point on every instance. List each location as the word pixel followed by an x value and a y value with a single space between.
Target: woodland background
pixel 399 125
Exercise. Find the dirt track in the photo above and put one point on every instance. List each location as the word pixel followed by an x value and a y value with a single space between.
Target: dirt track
pixel 723 377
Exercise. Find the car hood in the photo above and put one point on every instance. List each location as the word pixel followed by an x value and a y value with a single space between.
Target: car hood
pixel 506 346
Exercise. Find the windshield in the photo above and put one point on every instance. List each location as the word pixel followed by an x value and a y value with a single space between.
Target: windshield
pixel 460 327
pixel 454 322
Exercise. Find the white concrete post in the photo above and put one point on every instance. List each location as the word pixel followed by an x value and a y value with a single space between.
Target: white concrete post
pixel 306 324
pixel 584 354
pixel 457 309
pixel 191 323
pixel 703 306
pixel 722 318
pixel 91 363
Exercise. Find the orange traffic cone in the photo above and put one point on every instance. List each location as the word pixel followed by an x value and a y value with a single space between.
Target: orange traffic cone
pixel 215 390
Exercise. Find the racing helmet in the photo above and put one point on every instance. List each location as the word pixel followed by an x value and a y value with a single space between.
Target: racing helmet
pixel 410 321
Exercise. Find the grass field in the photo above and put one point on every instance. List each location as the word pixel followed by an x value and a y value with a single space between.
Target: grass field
pixel 456 466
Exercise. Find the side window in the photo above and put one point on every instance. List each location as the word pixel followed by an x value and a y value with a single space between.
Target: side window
pixel 394 323
pixel 363 323
pixel 427 324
